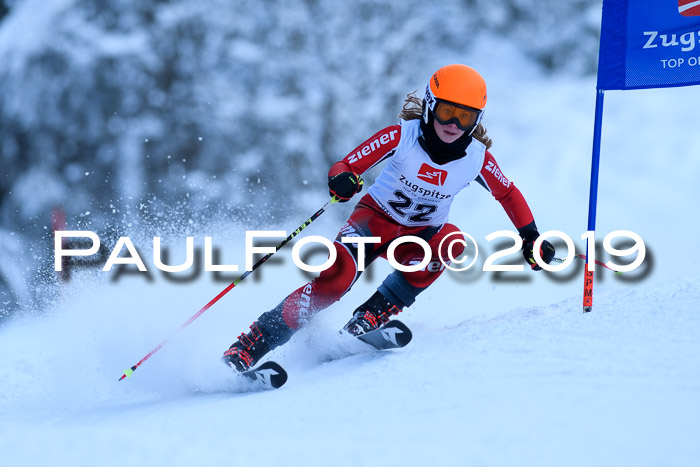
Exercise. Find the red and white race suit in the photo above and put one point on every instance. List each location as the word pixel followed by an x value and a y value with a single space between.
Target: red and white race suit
pixel 411 196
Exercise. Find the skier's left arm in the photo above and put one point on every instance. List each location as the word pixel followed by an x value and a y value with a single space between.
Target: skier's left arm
pixel 516 208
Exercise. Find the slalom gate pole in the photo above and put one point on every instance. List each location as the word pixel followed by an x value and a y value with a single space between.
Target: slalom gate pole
pixel 593 196
pixel 128 372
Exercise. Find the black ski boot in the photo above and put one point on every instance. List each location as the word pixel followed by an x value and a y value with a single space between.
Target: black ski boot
pixel 267 333
pixel 372 314
pixel 247 350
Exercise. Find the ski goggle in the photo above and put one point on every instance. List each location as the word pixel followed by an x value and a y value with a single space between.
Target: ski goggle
pixel 465 117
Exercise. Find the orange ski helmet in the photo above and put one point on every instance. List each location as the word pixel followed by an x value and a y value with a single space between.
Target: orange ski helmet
pixel 456 93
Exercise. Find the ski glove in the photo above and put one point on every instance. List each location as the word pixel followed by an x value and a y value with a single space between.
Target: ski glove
pixel 546 253
pixel 344 186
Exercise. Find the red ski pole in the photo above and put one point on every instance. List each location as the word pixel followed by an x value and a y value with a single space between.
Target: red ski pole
pixel 129 371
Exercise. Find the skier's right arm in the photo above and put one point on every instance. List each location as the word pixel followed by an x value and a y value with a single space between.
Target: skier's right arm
pixel 344 179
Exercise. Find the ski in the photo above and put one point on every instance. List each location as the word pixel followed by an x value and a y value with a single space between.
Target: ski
pixel 392 335
pixel 269 375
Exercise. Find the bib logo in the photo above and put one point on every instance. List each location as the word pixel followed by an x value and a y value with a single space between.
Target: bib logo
pixel 432 175
pixel 689 7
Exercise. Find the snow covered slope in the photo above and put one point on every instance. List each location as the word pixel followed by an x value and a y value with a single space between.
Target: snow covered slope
pixel 533 386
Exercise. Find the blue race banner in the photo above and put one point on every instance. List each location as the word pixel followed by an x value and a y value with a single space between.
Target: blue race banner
pixel 649 44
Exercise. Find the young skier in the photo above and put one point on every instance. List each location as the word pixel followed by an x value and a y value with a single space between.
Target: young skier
pixel 436 150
